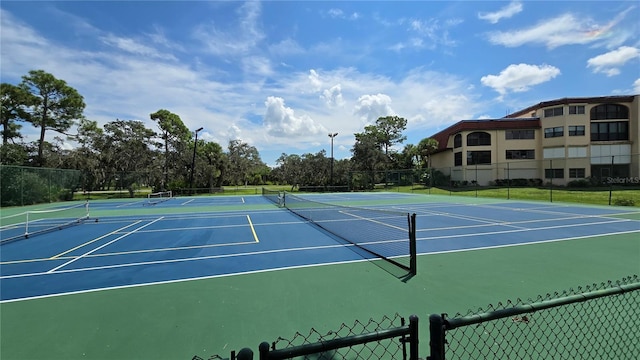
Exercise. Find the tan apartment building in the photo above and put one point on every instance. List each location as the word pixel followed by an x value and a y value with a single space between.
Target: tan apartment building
pixel 558 140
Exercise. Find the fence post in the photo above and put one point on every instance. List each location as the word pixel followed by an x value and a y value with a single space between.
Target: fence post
pixel 413 336
pixel 436 337
pixel 244 354
pixel 263 348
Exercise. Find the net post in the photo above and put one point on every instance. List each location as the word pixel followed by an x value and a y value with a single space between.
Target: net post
pixel 413 252
pixel 436 337
pixel 263 349
pixel 413 337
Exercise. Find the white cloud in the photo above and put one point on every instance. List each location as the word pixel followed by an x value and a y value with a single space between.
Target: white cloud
pixel 520 77
pixel 339 14
pixel 636 86
pixel 609 63
pixel 371 107
pixel 429 33
pixel 235 41
pixel 132 46
pixel 281 121
pixel 565 29
pixel 336 13
pixel 506 12
pixel 333 96
pixel 286 47
pixel 314 80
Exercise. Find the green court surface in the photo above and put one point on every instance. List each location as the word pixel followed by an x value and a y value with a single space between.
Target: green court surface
pixel 217 315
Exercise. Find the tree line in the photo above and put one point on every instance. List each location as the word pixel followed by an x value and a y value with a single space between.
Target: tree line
pixel 126 154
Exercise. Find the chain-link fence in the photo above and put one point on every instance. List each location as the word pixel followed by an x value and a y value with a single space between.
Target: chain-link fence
pixel 388 338
pixel 600 321
pixel 21 185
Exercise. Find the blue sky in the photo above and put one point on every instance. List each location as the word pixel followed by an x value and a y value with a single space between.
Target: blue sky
pixel 281 75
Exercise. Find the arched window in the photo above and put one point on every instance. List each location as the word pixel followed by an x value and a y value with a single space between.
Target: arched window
pixel 478 138
pixel 609 111
pixel 457 141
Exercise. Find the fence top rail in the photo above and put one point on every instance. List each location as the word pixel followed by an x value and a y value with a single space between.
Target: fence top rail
pixel 451 324
pixel 333 344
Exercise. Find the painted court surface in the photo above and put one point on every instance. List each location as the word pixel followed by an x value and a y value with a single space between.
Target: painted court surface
pixel 207 275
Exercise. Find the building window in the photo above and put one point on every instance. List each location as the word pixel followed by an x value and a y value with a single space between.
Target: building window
pixel 577 173
pixel 520 154
pixel 576 109
pixel 457 141
pixel 478 138
pixel 609 131
pixel 554 132
pixel 519 134
pixel 609 111
pixel 553 173
pixel 556 111
pixel 478 157
pixel 577 130
pixel 457 159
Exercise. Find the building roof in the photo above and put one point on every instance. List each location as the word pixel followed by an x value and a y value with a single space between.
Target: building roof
pixel 517 120
pixel 486 124
pixel 575 100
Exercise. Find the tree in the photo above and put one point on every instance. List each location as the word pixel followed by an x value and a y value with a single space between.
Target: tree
pixel 89 155
pixel 210 163
pixel 57 106
pixel 426 147
pixel 289 170
pixel 244 162
pixel 174 134
pixel 127 152
pixel 388 131
pixel 14 101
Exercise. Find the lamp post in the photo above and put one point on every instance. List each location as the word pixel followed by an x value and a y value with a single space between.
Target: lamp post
pixel 332 135
pixel 193 161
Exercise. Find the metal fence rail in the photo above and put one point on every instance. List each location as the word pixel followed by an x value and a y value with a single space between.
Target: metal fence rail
pixel 371 340
pixel 597 322
pixel 388 338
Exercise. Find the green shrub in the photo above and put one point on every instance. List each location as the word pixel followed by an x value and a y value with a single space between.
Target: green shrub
pixel 624 202
pixel 581 183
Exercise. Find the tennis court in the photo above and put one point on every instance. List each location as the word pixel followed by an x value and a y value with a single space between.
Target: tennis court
pixel 206 275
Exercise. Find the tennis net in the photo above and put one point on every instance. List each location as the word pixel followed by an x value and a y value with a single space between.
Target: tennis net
pixel 158 197
pixel 34 222
pixel 274 196
pixel 386 234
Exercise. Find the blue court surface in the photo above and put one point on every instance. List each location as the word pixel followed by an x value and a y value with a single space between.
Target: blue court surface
pixel 131 243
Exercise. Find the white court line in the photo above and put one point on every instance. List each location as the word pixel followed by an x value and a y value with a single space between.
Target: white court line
pixel 102 246
pixel 129 204
pixel 183 280
pixel 94 240
pixel 186 202
pixel 373 221
pixel 525 229
pixel 169 261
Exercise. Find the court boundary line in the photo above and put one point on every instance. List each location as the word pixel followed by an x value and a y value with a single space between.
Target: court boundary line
pixel 182 280
pixel 101 246
pixel 165 282
pixel 525 229
pixel 94 240
pixel 167 261
pixel 253 230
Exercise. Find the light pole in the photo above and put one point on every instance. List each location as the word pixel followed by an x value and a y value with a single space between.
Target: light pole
pixel 193 161
pixel 332 135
